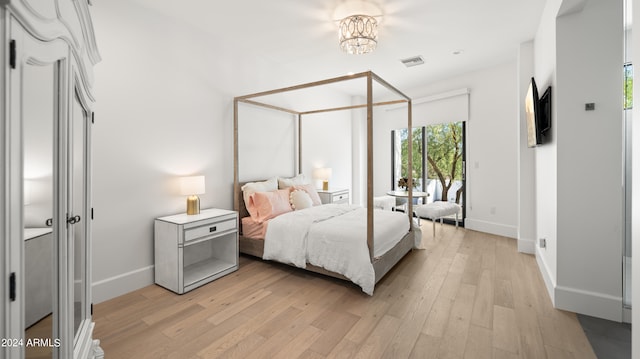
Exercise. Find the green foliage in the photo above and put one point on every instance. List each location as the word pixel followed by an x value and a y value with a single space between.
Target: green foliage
pixel 444 150
pixel 628 86
pixel 416 142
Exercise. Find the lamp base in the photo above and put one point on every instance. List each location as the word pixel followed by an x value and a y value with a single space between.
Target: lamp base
pixel 325 185
pixel 193 205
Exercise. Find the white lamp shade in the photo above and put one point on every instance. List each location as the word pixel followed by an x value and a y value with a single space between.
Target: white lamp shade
pixel 191 185
pixel 322 173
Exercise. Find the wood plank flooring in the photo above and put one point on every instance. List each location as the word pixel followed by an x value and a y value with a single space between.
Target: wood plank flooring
pixel 467 295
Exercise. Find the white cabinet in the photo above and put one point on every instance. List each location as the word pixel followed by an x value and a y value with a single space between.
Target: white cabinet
pixel 334 196
pixel 192 250
pixel 47 56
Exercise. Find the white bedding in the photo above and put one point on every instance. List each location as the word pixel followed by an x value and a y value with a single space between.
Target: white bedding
pixel 334 237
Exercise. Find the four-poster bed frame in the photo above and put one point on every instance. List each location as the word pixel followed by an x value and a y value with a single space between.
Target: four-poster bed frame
pixel 381 264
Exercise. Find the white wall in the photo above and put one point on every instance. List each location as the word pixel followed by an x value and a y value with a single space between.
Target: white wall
pixel 582 261
pixel 635 211
pixel 165 109
pixel 526 157
pixel 491 140
pixel 590 144
pixel 544 52
pixel 635 200
pixel 326 142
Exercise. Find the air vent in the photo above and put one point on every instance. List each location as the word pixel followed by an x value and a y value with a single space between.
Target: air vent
pixel 413 61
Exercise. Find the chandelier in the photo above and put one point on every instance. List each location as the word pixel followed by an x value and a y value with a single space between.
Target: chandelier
pixel 358 34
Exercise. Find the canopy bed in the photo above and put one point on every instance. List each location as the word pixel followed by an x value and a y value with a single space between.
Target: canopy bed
pixel 387 239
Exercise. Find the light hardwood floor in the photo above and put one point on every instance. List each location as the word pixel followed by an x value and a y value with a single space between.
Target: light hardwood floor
pixel 467 295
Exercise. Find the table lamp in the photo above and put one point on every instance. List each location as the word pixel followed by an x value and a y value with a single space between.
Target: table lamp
pixel 323 174
pixel 192 186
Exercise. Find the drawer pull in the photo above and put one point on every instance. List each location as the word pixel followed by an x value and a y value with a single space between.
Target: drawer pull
pixel 212 229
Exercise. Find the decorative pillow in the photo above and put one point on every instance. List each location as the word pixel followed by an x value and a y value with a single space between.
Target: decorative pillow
pixel 300 199
pixel 270 204
pixel 311 190
pixel 252 187
pixel 290 182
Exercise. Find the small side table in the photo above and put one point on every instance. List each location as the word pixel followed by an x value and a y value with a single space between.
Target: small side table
pixel 334 196
pixel 192 250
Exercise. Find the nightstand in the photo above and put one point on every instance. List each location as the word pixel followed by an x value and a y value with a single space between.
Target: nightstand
pixel 334 196
pixel 192 250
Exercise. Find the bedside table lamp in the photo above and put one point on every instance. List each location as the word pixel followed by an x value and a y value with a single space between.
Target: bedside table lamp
pixel 192 186
pixel 323 174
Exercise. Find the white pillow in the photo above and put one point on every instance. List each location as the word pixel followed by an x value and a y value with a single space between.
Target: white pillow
pixel 292 181
pixel 300 199
pixel 252 187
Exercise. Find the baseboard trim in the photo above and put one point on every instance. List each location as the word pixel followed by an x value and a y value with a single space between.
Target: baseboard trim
pixel 589 303
pixel 549 281
pixel 526 246
pixel 492 228
pixel 121 284
pixel 626 315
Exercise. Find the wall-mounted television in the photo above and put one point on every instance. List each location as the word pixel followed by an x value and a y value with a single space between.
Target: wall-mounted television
pixel 538 110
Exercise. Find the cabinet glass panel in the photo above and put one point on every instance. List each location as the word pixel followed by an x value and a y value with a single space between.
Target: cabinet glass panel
pixel 78 218
pixel 39 119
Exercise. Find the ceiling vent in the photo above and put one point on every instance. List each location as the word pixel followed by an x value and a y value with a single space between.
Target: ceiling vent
pixel 413 61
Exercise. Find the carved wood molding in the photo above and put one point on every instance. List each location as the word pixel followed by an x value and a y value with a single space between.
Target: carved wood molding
pixel 68 20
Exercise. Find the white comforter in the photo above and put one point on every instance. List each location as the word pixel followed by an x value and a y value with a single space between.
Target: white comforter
pixel 333 237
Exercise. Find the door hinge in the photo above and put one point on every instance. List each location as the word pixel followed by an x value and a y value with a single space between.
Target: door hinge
pixel 92 309
pixel 91 213
pixel 12 54
pixel 12 286
pixel 93 117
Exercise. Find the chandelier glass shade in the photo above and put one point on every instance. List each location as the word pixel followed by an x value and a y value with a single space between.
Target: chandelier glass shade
pixel 358 34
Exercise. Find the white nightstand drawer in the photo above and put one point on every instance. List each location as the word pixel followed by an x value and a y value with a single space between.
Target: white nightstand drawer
pixel 340 198
pixel 334 196
pixel 209 229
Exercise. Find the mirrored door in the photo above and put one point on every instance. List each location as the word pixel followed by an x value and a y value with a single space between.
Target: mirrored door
pixel 39 118
pixel 80 212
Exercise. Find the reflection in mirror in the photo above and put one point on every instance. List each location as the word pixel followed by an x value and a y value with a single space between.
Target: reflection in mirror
pixel 38 121
pixel 78 190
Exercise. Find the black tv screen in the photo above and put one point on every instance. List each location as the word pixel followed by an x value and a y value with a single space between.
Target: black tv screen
pixel 544 108
pixel 538 113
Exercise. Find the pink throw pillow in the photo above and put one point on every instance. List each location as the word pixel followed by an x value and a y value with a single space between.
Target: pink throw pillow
pixel 270 204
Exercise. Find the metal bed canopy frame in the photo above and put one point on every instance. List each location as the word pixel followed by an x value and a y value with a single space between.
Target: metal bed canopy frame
pixel 369 105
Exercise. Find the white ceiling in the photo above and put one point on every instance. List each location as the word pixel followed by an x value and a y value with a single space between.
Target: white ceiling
pixel 300 36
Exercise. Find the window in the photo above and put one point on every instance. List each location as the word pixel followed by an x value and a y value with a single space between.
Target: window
pixel 438 158
pixel 445 161
pixel 628 86
pixel 400 159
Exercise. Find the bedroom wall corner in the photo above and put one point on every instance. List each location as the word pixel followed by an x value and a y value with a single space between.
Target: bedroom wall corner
pixel 491 145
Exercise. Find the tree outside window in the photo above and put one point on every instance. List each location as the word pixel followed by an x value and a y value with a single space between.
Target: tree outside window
pixel 628 86
pixel 416 150
pixel 444 156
